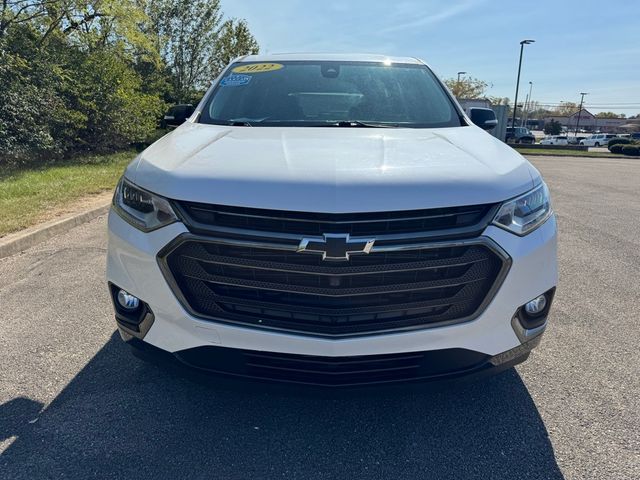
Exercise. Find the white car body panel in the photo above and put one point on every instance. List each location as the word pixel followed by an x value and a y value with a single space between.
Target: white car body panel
pixel 554 140
pixel 600 140
pixel 132 265
pixel 333 170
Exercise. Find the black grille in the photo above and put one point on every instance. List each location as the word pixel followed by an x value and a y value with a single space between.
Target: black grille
pixel 335 371
pixel 464 221
pixel 283 289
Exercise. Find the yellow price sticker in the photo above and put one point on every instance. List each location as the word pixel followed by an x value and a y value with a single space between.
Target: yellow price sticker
pixel 258 68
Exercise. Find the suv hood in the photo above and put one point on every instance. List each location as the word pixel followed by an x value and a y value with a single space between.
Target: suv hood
pixel 332 169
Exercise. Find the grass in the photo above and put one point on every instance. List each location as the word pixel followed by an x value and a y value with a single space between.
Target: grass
pixel 31 195
pixel 564 153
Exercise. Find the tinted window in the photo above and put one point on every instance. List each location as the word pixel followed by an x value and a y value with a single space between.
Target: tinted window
pixel 324 93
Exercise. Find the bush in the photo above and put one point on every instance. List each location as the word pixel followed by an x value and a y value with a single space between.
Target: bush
pixel 27 100
pixel 619 141
pixel 116 110
pixel 58 101
pixel 617 148
pixel 631 150
pixel 552 128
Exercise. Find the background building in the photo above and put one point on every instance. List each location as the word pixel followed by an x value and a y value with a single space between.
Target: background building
pixel 588 122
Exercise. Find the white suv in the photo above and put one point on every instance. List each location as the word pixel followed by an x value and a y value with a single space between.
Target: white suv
pixel 598 140
pixel 333 220
pixel 555 140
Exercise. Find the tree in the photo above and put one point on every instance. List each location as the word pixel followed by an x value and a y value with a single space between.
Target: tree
pixel 566 108
pixel 186 32
pixel 234 40
pixel 23 104
pixel 15 12
pixel 538 111
pixel 116 109
pixel 499 100
pixel 95 74
pixel 64 89
pixel 552 128
pixel 467 87
pixel 88 21
pixel 610 115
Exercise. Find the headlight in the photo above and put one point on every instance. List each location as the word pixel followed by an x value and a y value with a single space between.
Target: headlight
pixel 144 210
pixel 525 213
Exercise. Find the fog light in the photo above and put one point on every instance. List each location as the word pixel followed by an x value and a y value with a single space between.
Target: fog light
pixel 128 301
pixel 536 306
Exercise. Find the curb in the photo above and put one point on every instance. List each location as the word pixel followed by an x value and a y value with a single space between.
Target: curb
pixel 577 156
pixel 18 242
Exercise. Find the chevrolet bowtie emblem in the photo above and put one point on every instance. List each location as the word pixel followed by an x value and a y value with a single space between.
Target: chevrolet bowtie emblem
pixel 336 246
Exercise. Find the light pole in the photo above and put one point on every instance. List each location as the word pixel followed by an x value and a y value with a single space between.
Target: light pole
pixel 527 106
pixel 582 94
pixel 459 90
pixel 515 101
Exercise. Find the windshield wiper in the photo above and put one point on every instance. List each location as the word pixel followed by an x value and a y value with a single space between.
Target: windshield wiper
pixel 238 122
pixel 358 123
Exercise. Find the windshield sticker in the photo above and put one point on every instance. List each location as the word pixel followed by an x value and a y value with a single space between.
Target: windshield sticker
pixel 258 68
pixel 235 80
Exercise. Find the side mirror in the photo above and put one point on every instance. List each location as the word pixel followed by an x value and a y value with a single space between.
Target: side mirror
pixel 485 118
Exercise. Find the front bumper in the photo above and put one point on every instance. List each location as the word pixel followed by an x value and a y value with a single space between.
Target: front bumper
pixel 343 372
pixel 132 265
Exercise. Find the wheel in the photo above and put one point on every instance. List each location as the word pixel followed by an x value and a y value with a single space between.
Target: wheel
pixel 596 144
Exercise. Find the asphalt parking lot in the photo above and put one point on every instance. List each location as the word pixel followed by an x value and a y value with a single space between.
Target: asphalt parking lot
pixel 75 404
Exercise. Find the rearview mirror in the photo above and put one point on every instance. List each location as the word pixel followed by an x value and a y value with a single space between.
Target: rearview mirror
pixel 485 118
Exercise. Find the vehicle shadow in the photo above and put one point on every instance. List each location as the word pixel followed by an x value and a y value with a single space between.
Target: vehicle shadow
pixel 121 417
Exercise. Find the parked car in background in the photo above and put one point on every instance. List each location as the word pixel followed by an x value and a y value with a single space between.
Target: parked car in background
pixel 575 140
pixel 598 140
pixel 635 136
pixel 554 140
pixel 177 115
pixel 520 135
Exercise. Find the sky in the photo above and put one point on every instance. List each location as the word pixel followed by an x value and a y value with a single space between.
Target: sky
pixel 581 46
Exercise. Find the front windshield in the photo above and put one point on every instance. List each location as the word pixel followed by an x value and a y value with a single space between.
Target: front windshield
pixel 311 93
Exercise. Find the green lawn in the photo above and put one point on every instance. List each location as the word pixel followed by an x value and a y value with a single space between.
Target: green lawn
pixel 31 195
pixel 563 153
